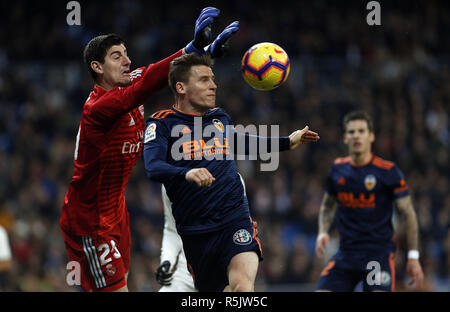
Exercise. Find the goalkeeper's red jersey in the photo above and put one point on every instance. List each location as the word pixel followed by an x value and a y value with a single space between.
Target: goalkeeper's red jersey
pixel 108 145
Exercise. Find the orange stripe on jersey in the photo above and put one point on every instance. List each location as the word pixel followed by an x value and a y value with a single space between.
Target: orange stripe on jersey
pixel 255 232
pixel 400 189
pixel 381 163
pixel 327 269
pixel 392 266
pixel 162 113
pixel 158 113
pixel 403 187
pixel 342 160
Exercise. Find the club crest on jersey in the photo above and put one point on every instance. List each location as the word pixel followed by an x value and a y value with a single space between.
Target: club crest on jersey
pixel 384 278
pixel 218 124
pixel 370 181
pixel 242 237
pixel 110 270
pixel 150 132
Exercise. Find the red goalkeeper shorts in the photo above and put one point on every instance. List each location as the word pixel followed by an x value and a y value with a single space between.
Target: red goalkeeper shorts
pixel 104 258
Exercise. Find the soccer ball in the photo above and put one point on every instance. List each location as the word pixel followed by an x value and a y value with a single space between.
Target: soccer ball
pixel 265 66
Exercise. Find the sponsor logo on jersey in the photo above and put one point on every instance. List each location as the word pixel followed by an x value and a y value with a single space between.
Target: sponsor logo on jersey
pixel 218 124
pixel 131 148
pixel 196 149
pixel 242 237
pixel 350 200
pixel 370 181
pixel 150 132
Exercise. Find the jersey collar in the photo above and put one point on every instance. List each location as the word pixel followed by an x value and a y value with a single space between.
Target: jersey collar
pixel 364 164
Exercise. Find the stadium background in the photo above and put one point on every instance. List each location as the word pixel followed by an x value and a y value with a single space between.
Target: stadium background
pixel 398 72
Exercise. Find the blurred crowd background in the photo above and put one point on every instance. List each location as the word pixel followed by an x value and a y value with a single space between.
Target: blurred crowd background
pixel 398 72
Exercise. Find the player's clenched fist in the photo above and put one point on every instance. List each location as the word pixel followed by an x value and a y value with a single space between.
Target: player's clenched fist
pixel 321 243
pixel 201 176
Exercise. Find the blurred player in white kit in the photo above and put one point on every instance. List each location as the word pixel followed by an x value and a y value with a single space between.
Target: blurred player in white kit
pixel 173 273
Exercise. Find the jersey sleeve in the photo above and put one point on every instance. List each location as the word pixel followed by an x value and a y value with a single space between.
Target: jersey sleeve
pixel 146 81
pixel 156 141
pixel 397 183
pixel 242 143
pixel 329 184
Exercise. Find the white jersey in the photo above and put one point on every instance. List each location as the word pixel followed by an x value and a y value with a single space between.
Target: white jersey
pixel 172 250
pixel 5 250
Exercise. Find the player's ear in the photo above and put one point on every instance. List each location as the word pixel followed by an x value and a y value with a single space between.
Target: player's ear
pixel 97 67
pixel 180 87
pixel 345 139
pixel 372 137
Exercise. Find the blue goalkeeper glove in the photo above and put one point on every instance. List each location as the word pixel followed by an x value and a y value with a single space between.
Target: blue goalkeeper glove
pixel 202 32
pixel 218 48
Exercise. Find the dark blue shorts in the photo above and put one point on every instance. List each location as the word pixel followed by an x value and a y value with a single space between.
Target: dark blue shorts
pixel 345 270
pixel 209 254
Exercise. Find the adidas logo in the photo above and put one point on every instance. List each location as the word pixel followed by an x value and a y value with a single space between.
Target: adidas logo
pixel 341 181
pixel 132 123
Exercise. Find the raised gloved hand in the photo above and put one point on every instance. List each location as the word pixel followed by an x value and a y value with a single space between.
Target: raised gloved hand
pixel 202 32
pixel 163 274
pixel 218 48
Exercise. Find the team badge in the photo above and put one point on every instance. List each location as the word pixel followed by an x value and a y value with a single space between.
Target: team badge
pixel 242 237
pixel 384 278
pixel 218 124
pixel 110 270
pixel 150 133
pixel 370 181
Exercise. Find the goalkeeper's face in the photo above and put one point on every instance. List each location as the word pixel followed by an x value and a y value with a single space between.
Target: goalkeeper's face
pixel 358 137
pixel 200 89
pixel 116 68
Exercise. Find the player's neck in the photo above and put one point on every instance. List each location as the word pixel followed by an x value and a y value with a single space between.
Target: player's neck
pixel 189 109
pixel 361 158
pixel 104 85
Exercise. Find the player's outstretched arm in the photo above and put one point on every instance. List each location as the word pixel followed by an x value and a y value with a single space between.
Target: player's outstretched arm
pixel 408 215
pixel 147 81
pixel 303 136
pixel 326 216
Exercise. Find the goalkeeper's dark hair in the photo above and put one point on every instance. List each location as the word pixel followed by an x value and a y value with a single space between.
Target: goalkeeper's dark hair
pixel 358 115
pixel 96 50
pixel 180 67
